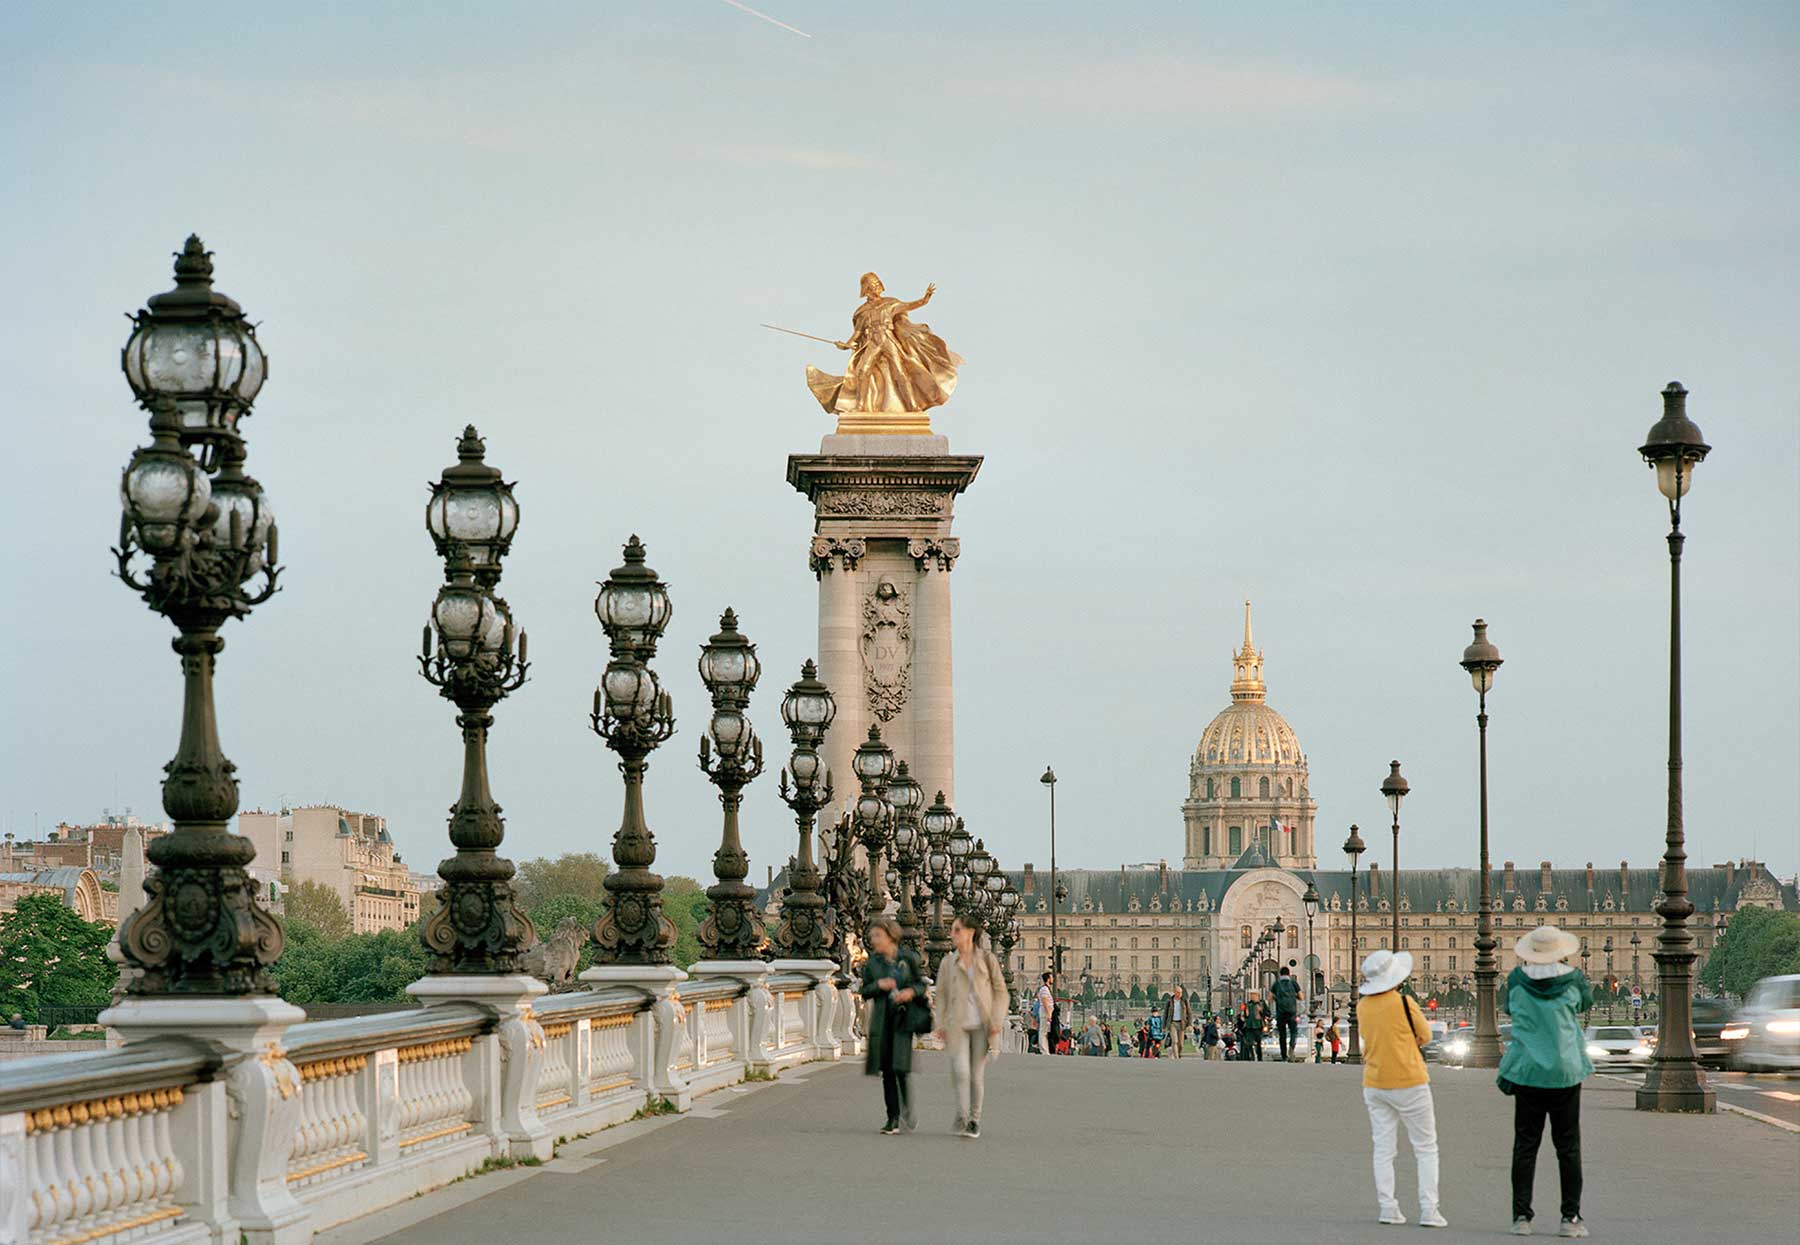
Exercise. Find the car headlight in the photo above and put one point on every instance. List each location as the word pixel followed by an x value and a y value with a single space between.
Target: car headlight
pixel 1734 1033
pixel 1786 1028
pixel 1641 1049
pixel 1458 1047
pixel 1596 1051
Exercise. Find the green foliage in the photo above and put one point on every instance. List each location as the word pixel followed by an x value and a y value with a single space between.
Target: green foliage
pixel 49 957
pixel 549 913
pixel 316 905
pixel 575 875
pixel 1758 943
pixel 684 903
pixel 363 968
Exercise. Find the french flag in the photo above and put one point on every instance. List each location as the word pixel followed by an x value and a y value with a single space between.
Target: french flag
pixel 1276 830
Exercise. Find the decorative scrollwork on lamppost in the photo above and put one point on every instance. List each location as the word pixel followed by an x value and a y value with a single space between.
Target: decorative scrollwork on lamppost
pixel 937 821
pixel 873 762
pixel 846 889
pixel 468 655
pixel 633 714
pixel 209 538
pixel 907 797
pixel 808 925
pixel 981 868
pixel 1009 938
pixel 731 756
pixel 962 886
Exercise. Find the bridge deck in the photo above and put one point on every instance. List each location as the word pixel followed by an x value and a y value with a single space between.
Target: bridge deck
pixel 1087 1147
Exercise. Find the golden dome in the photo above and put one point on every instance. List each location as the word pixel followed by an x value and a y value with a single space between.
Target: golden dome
pixel 1248 732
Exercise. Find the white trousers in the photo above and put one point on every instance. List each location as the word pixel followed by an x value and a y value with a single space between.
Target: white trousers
pixel 968 1070
pixel 1043 1035
pixel 1388 1109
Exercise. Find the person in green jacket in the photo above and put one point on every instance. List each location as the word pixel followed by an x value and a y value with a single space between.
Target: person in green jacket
pixel 1543 1068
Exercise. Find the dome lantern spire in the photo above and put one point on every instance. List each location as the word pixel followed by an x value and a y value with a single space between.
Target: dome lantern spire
pixel 1247 681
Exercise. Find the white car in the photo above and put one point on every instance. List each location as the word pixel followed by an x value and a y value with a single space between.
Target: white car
pixel 1766 1033
pixel 1620 1046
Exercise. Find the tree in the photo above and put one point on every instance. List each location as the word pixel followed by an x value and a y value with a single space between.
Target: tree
pixel 49 957
pixel 1758 943
pixel 684 903
pixel 577 874
pixel 362 968
pixel 317 906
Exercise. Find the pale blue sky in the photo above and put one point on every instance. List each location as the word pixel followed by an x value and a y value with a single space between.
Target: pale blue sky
pixel 1358 311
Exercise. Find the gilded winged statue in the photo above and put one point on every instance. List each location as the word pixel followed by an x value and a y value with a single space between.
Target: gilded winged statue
pixel 895 365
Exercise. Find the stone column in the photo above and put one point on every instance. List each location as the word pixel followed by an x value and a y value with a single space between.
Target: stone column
pixel 934 695
pixel 836 563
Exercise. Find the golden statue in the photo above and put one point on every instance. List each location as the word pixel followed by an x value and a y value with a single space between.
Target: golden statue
pixel 896 367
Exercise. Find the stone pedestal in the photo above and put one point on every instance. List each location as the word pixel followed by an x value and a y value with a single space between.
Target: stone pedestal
pixel 658 1028
pixel 515 1051
pixel 246 1116
pixel 882 550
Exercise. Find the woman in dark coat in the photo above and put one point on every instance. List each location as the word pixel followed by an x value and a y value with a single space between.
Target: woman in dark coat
pixel 892 977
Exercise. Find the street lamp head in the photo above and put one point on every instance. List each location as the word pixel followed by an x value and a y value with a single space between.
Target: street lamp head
pixel 728 665
pixel 980 863
pixel 473 509
pixel 1354 847
pixel 1481 659
pixel 462 614
pixel 1049 778
pixel 1674 446
pixel 939 820
pixel 1062 892
pixel 905 793
pixel 164 491
pixel 1311 899
pixel 961 844
pixel 193 347
pixel 1394 788
pixel 808 708
pixel 873 760
pixel 633 605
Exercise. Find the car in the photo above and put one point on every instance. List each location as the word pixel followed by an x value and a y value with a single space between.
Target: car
pixel 1620 1046
pixel 1767 1031
pixel 1712 1017
pixel 1453 1047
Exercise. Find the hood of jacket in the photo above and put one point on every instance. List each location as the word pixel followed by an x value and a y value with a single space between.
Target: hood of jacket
pixel 1545 987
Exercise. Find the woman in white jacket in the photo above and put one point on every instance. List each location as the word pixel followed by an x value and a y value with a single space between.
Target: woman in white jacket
pixel 971 1006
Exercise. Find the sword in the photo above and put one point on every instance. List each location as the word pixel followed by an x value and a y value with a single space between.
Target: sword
pixel 798 333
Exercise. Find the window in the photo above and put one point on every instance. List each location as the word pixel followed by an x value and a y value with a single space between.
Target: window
pixel 1134 944
pixel 1427 963
pixel 1262 788
pixel 1237 790
pixel 1175 962
pixel 1087 944
pixel 1112 961
pixel 1453 964
pixel 1155 942
pixel 1209 788
pixel 285 857
pixel 1113 943
pixel 1244 936
pixel 1153 961
pixel 1235 838
pixel 1405 943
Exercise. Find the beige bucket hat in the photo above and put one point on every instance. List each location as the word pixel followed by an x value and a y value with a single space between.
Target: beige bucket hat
pixel 1384 970
pixel 1546 945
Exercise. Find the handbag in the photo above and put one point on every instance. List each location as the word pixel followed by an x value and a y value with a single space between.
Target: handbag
pixel 916 1018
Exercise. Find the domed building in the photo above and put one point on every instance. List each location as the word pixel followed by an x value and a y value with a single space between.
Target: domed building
pixel 1247 790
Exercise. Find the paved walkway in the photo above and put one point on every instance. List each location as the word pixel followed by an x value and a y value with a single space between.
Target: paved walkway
pixel 1102 1149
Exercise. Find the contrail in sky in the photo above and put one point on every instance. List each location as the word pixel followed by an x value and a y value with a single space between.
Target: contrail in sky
pixel 753 13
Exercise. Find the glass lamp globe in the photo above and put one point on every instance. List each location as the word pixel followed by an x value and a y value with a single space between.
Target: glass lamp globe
pixel 1481 659
pixel 1394 788
pixel 245 517
pixel 163 491
pixel 904 792
pixel 873 760
pixel 630 690
pixel 808 708
pixel 1674 447
pixel 961 843
pixel 472 507
pixel 633 605
pixel 804 766
pixel 728 664
pixel 939 820
pixel 462 614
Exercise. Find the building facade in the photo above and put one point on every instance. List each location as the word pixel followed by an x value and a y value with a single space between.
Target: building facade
pixel 350 853
pixel 1249 854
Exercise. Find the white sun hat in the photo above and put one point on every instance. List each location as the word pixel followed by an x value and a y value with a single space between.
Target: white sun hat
pixel 1384 970
pixel 1546 945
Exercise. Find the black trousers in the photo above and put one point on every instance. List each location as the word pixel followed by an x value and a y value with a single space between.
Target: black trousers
pixel 1253 1045
pixel 1562 1107
pixel 1287 1028
pixel 896 1093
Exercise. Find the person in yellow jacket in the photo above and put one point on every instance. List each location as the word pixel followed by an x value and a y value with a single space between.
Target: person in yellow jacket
pixel 1396 1086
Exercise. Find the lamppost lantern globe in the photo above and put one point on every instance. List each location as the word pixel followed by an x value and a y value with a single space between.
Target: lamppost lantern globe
pixel 961 842
pixel 462 615
pixel 633 605
pixel 1394 788
pixel 1674 446
pixel 939 820
pixel 1481 659
pixel 1311 900
pixel 873 760
pixel 808 708
pixel 904 792
pixel 1049 778
pixel 472 508
pixel 980 862
pixel 1062 893
pixel 164 492
pixel 1354 846
pixel 728 663
pixel 245 522
pixel 192 346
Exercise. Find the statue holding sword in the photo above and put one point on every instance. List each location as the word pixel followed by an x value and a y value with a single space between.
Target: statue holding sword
pixel 895 365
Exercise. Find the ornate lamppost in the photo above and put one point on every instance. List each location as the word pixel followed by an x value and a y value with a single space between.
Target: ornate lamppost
pixel 846 891
pixel 731 756
pixel 907 798
pixel 1481 659
pixel 873 762
pixel 1056 894
pixel 938 821
pixel 468 654
pixel 806 931
pixel 1008 937
pixel 1354 847
pixel 197 541
pixel 1608 948
pixel 1675 1082
pixel 1310 901
pixel 632 713
pixel 1393 790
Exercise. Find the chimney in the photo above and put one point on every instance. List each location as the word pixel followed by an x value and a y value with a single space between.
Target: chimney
pixel 1162 870
pixel 1508 881
pixel 1590 876
pixel 1030 882
pixel 1543 875
pixel 1730 875
pixel 771 882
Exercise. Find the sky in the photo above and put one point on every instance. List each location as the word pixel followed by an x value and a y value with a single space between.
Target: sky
pixel 1359 312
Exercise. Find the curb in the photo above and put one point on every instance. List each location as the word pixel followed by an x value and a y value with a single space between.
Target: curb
pixel 1760 1117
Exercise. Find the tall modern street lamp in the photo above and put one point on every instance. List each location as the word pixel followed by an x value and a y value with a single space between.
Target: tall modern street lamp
pixel 1393 790
pixel 633 714
pixel 197 541
pixel 1354 847
pixel 1310 901
pixel 805 932
pixel 1481 659
pixel 468 654
pixel 1056 898
pixel 731 756
pixel 1675 1082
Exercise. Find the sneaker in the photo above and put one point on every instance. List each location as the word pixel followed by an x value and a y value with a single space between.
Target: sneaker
pixel 1573 1227
pixel 973 1130
pixel 1390 1217
pixel 960 1126
pixel 1432 1219
pixel 909 1121
pixel 1521 1226
pixel 890 1128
